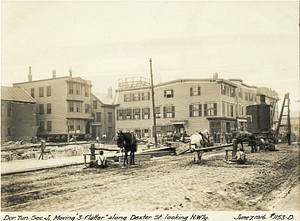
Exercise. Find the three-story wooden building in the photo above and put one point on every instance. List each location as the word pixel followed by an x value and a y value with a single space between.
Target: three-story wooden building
pixel 63 105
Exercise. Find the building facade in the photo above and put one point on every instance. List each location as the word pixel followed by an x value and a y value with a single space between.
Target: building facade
pixel 63 105
pixel 104 115
pixel 18 115
pixel 188 105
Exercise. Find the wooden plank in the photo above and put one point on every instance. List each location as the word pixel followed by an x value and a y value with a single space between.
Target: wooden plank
pixel 214 147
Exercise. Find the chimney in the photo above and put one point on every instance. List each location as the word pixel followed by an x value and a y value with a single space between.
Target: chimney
pixel 29 75
pixel 54 73
pixel 215 76
pixel 70 71
pixel 262 99
pixel 110 92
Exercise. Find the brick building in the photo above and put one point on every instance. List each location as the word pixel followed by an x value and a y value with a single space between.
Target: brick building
pixel 183 105
pixel 18 115
pixel 64 105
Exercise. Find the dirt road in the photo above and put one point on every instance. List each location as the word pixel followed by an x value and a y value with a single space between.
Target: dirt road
pixel 172 183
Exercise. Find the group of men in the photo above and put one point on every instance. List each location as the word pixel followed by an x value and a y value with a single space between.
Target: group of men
pixel 196 141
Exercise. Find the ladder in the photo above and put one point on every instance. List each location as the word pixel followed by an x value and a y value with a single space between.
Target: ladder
pixel 285 104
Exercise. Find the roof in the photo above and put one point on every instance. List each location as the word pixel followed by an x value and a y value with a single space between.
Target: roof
pixel 16 94
pixel 103 98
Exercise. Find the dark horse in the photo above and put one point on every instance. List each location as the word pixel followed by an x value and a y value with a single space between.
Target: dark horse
pixel 128 142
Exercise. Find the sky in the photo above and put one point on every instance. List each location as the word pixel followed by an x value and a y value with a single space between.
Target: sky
pixel 103 41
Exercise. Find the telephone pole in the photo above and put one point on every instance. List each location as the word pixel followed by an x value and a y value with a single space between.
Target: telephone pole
pixel 153 104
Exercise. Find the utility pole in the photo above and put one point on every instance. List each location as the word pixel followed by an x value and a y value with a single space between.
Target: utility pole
pixel 153 104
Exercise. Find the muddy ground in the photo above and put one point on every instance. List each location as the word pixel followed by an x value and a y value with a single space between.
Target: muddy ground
pixel 172 183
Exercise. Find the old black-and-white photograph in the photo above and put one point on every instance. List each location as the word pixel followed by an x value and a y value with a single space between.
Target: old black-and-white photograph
pixel 178 109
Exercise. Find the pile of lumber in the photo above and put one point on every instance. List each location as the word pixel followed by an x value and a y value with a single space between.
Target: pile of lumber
pixel 182 149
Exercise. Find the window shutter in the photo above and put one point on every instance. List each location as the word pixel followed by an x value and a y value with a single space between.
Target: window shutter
pixel 165 93
pixel 143 114
pixel 215 109
pixel 205 109
pixel 148 95
pixel 200 110
pixel 117 114
pixel 191 91
pixel 165 112
pixel 172 94
pixel 142 96
pixel 149 113
pixel 173 111
pixel 191 110
pixel 199 90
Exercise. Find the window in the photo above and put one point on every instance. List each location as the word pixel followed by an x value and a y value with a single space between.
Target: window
pixel 87 108
pixel 145 96
pixel 86 93
pixel 98 117
pixel 49 126
pixel 146 113
pixel 138 133
pixel 164 130
pixel 41 92
pixel 71 106
pixel 232 92
pixel 94 104
pixel 169 112
pixel 109 116
pixel 71 88
pixel 195 110
pixel 251 97
pixel 8 131
pixel 157 112
pixel 78 125
pixel 246 95
pixel 42 126
pixel 223 89
pixel 78 89
pixel 136 114
pixel 136 96
pixel 32 92
pixel 145 133
pixel 120 114
pixel 127 97
pixel 169 93
pixel 8 111
pixel 78 107
pixel 210 109
pixel 48 91
pixel 128 114
pixel 71 124
pixel 195 91
pixel 41 109
pixel 215 127
pixel 48 108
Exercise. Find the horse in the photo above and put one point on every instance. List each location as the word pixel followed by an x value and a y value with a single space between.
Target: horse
pixel 128 142
pixel 196 142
